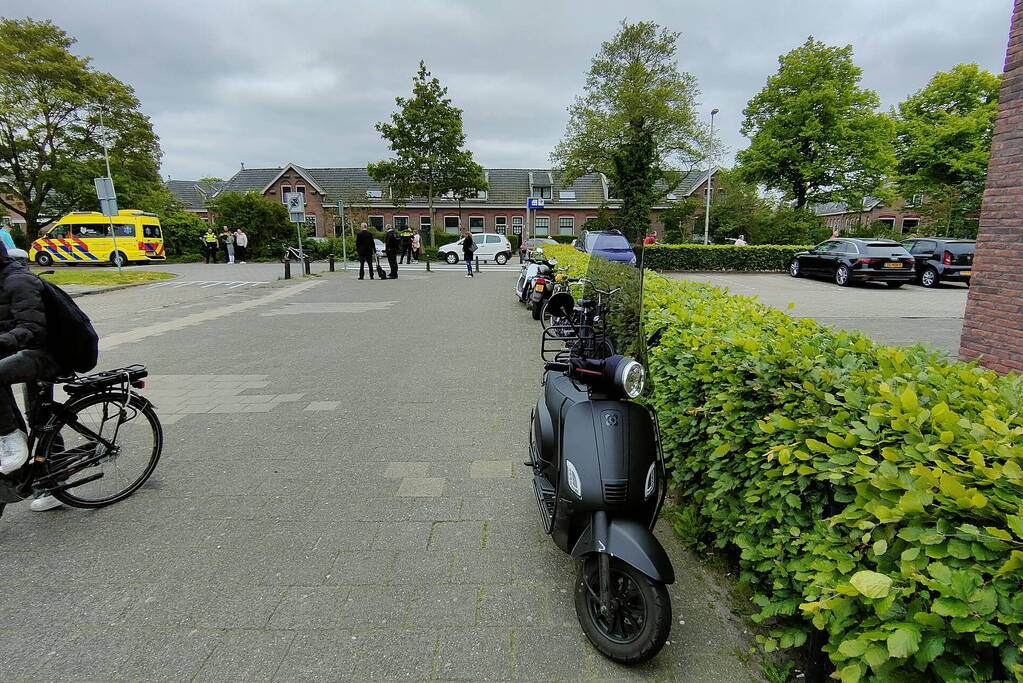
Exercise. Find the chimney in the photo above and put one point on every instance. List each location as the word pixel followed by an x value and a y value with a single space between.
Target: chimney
pixel 243 165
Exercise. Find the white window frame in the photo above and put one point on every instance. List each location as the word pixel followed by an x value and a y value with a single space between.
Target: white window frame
pixel 571 219
pixel 501 225
pixel 541 191
pixel 915 225
pixel 310 221
pixel 457 230
pixel 516 224
pixel 566 195
pixel 300 189
pixel 428 224
pixel 394 221
pixel 369 222
pixel 374 194
pixel 536 227
pixel 889 220
pixel 483 226
pixel 285 189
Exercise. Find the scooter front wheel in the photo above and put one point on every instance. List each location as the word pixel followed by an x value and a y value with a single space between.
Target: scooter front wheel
pixel 537 309
pixel 636 623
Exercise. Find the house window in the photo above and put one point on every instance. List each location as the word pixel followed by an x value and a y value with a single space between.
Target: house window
pixel 300 188
pixel 566 225
pixel 910 223
pixel 451 224
pixel 400 223
pixel 310 222
pixel 285 190
pixel 476 194
pixel 516 225
pixel 567 195
pixel 612 192
pixel 376 222
pixel 888 222
pixel 915 200
pixel 374 194
pixel 424 222
pixel 542 191
pixel 501 225
pixel 671 196
pixel 476 224
pixel 542 226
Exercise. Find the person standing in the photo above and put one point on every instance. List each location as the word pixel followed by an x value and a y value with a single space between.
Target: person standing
pixel 468 248
pixel 651 238
pixel 406 245
pixel 209 243
pixel 365 248
pixel 391 247
pixel 417 242
pixel 241 244
pixel 227 243
pixel 5 236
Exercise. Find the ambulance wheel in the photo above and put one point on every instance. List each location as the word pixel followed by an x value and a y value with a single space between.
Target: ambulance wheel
pixel 44 259
pixel 119 259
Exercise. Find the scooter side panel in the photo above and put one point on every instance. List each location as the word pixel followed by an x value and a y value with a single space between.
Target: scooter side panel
pixel 631 542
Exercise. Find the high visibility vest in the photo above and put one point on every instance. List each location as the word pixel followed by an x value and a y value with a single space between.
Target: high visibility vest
pixel 209 238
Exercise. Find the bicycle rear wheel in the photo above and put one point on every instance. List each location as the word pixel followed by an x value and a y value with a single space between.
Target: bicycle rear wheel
pixel 78 448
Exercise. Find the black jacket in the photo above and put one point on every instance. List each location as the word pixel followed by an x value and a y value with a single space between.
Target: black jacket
pixel 364 245
pixel 22 312
pixel 391 243
pixel 467 248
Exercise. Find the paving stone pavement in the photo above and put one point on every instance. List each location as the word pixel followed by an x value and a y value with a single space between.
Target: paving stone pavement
pixel 341 497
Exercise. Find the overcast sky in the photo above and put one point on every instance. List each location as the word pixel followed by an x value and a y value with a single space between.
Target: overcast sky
pixel 263 83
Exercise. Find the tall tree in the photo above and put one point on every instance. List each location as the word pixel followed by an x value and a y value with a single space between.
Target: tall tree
pixel 944 141
pixel 815 134
pixel 635 122
pixel 51 102
pixel 426 136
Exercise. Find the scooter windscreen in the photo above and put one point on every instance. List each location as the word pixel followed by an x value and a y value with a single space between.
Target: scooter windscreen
pixel 614 287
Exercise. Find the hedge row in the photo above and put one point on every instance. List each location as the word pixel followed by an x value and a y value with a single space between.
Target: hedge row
pixel 704 257
pixel 871 492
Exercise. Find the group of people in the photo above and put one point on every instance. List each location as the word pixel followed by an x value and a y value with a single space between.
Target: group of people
pixel 398 248
pixel 232 244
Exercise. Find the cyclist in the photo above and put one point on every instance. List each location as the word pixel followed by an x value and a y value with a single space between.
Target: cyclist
pixel 23 358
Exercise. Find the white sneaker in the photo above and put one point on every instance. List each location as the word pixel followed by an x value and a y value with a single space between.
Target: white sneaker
pixel 44 503
pixel 467 275
pixel 13 451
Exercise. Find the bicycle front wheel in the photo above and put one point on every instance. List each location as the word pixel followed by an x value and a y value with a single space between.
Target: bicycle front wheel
pixel 110 434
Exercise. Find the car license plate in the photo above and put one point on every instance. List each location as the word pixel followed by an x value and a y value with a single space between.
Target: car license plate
pixel 538 288
pixel 966 273
pixel 893 265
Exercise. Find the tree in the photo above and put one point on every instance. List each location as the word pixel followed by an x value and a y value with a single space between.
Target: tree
pixel 426 137
pixel 944 141
pixel 51 102
pixel 635 122
pixel 737 209
pixel 815 134
pixel 182 231
pixel 265 220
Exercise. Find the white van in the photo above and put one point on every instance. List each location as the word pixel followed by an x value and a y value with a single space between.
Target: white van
pixel 492 247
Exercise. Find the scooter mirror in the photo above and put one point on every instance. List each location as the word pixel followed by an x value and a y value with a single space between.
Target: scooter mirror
pixel 561 304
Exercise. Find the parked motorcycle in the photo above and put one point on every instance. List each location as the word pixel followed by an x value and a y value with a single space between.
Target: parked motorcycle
pixel 543 286
pixel 536 266
pixel 598 470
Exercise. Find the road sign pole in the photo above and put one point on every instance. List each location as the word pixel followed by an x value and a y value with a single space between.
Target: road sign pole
pixel 344 236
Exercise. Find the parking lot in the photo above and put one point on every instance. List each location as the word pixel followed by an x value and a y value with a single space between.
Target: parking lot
pixel 900 317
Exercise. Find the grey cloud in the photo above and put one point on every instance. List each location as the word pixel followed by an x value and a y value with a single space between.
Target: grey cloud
pixel 268 82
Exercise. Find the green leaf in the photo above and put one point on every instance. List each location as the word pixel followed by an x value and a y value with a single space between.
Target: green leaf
pixel 948 607
pixel 819 446
pixel 909 400
pixel 910 554
pixel 930 649
pixel 1012 470
pixel 880 547
pixel 871 584
pixel 852 648
pixel 850 673
pixel 1015 523
pixel 903 642
pixel 875 656
pixel 940 572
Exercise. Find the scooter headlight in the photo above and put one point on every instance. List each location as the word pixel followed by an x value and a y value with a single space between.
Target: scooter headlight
pixel 631 378
pixel 574 482
pixel 651 481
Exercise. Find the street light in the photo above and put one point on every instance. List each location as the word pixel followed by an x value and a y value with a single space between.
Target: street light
pixel 710 158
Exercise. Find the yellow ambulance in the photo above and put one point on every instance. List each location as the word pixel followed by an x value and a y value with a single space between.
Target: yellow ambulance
pixel 84 237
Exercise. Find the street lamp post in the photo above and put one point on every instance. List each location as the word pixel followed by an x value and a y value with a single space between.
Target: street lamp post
pixel 710 161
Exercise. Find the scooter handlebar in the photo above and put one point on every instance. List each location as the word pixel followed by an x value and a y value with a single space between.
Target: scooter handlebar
pixel 557 367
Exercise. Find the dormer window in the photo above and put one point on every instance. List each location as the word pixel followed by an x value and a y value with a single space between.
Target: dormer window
pixel 612 192
pixel 567 195
pixel 671 196
pixel 480 195
pixel 541 191
pixel 374 194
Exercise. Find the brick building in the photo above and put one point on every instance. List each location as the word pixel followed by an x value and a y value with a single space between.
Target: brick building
pixel 993 328
pixel 902 214
pixel 500 209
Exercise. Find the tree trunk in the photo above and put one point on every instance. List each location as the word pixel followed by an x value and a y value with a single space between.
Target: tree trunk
pixel 800 196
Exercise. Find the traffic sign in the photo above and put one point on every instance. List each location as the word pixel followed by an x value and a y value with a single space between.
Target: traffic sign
pixel 534 203
pixel 107 197
pixel 296 206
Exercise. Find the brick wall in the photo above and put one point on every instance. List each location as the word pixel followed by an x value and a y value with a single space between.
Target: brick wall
pixel 993 329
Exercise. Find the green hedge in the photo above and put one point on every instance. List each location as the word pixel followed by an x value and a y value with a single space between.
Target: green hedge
pixel 874 493
pixel 704 257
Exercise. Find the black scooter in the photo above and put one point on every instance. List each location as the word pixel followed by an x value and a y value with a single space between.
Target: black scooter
pixel 598 469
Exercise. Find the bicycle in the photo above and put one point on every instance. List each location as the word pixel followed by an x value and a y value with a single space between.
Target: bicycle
pixel 104 425
pixel 293 254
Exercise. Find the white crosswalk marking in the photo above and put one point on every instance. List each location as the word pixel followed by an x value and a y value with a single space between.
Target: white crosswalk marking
pixel 203 284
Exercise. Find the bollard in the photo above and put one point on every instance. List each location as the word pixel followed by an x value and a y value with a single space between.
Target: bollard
pixel 428 263
pixel 287 270
pixel 307 260
pixel 331 262
pixel 477 264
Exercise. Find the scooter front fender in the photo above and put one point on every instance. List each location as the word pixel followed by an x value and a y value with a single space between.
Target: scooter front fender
pixel 629 541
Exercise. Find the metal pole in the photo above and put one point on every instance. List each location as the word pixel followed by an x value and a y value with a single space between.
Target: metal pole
pixel 344 237
pixel 710 159
pixel 298 229
pixel 110 219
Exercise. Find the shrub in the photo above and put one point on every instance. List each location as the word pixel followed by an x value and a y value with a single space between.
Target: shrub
pixel 703 257
pixel 871 492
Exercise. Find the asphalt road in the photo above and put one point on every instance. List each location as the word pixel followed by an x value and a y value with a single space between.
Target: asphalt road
pixel 341 497
pixel 898 317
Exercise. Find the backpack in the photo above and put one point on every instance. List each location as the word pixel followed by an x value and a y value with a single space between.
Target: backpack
pixel 70 336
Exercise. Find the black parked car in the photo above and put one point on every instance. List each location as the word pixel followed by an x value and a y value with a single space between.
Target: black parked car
pixel 939 258
pixel 846 260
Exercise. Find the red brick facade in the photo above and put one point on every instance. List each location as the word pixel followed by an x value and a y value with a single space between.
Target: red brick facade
pixel 993 329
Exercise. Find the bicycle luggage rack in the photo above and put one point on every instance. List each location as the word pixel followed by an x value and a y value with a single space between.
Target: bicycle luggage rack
pixel 132 374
